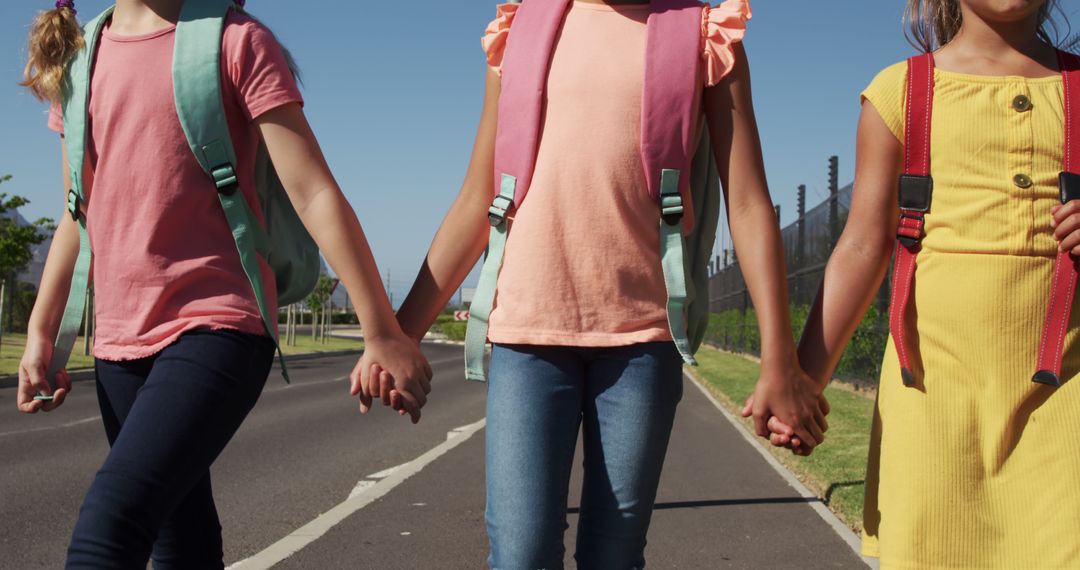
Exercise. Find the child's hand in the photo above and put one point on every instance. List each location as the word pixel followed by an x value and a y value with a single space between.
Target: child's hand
pixel 392 368
pixel 779 431
pixel 785 393
pixel 32 380
pixel 1066 224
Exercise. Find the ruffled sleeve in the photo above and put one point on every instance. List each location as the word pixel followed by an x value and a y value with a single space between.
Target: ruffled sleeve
pixel 722 27
pixel 494 40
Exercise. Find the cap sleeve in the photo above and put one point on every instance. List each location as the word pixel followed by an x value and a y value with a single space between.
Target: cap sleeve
pixel 722 27
pixel 886 94
pixel 494 40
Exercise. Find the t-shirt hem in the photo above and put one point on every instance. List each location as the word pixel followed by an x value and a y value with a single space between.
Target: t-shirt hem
pixel 580 338
pixel 130 352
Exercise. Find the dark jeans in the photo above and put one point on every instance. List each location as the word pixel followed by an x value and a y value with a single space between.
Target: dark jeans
pixel 167 417
pixel 623 400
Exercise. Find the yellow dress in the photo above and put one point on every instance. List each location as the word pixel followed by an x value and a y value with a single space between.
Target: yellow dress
pixel 980 468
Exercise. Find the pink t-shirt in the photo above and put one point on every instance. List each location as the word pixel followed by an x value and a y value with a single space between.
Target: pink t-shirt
pixel 164 258
pixel 582 264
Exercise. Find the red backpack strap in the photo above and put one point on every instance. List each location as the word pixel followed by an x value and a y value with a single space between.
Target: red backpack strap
pixel 915 193
pixel 1066 267
pixel 672 91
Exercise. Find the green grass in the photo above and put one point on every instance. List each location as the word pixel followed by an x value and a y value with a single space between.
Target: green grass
pixel 13 344
pixel 304 345
pixel 836 471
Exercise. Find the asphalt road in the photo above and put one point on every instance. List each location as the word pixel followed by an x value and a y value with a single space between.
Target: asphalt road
pixel 305 449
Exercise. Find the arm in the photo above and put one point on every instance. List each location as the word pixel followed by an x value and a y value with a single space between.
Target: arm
pixel 783 390
pixel 462 237
pixel 861 258
pixel 48 311
pixel 333 224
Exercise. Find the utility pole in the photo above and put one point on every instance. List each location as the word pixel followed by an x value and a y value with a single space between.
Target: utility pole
pixel 834 200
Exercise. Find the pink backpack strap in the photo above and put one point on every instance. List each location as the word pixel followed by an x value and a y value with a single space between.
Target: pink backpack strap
pixel 671 102
pixel 524 80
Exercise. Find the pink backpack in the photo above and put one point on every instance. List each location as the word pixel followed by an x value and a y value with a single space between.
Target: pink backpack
pixel 679 168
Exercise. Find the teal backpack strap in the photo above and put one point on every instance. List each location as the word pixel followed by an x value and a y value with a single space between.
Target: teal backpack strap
pixel 201 109
pixel 673 260
pixel 76 108
pixel 484 301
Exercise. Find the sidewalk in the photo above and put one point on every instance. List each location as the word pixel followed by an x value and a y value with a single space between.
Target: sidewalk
pixel 721 505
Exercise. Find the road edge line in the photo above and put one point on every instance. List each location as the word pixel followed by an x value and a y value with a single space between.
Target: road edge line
pixel 842 530
pixel 312 531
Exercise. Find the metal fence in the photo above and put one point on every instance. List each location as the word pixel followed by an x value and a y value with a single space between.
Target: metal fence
pixel 808 242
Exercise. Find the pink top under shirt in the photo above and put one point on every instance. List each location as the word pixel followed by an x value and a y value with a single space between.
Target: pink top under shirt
pixel 164 258
pixel 582 264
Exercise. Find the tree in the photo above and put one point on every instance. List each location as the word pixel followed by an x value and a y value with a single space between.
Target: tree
pixel 16 241
pixel 319 304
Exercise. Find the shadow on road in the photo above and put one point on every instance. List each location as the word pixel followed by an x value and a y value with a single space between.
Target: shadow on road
pixel 724 503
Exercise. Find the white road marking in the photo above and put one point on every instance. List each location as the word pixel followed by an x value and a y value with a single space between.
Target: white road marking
pixel 313 530
pixel 828 516
pixel 48 428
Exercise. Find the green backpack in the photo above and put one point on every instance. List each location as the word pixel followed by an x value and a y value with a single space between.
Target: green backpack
pixel 284 243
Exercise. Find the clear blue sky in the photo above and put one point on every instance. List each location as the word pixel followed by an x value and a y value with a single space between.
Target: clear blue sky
pixel 394 90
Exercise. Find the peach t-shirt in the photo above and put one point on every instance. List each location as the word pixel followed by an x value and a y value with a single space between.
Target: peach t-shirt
pixel 164 258
pixel 582 264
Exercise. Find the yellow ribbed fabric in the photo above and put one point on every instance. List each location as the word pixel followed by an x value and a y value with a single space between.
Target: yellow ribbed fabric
pixel 980 467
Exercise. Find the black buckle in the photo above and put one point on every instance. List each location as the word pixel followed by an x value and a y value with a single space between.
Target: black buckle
pixel 916 192
pixel 225 179
pixel 1069 183
pixel 74 205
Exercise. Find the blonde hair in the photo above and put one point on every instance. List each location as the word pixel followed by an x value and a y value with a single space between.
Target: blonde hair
pixel 55 38
pixel 934 23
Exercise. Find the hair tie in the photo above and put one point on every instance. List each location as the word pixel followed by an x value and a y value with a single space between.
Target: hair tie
pixel 69 4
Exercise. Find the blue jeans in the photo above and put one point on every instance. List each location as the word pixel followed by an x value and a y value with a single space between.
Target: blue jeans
pixel 167 418
pixel 538 397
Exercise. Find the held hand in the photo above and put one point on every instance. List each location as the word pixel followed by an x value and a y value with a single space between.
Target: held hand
pixel 780 433
pixel 1066 224
pixel 392 368
pixel 786 392
pixel 32 380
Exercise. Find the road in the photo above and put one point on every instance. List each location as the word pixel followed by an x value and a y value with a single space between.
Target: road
pixel 305 449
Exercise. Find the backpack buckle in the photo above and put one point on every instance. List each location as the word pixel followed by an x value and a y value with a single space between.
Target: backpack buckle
pixel 74 205
pixel 498 210
pixel 1069 184
pixel 671 209
pixel 916 192
pixel 225 179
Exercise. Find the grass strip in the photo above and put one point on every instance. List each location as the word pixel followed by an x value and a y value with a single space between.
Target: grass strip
pixel 837 470
pixel 13 345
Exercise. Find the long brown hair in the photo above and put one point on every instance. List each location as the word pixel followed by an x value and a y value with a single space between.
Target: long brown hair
pixel 934 23
pixel 55 38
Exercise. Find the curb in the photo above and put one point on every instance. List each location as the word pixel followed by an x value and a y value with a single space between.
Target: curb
pixel 838 526
pixel 87 374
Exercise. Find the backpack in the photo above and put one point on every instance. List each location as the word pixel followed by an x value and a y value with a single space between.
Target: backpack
pixel 680 169
pixel 284 242
pixel 915 194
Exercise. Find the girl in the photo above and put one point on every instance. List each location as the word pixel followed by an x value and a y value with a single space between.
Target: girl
pixel 972 464
pixel 580 325
pixel 182 351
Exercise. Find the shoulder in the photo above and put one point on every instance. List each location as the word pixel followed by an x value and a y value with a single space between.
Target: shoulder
pixel 244 32
pixel 722 27
pixel 886 94
pixel 494 40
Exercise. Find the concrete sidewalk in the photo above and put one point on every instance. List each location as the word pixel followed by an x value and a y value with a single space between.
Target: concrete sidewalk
pixel 721 505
